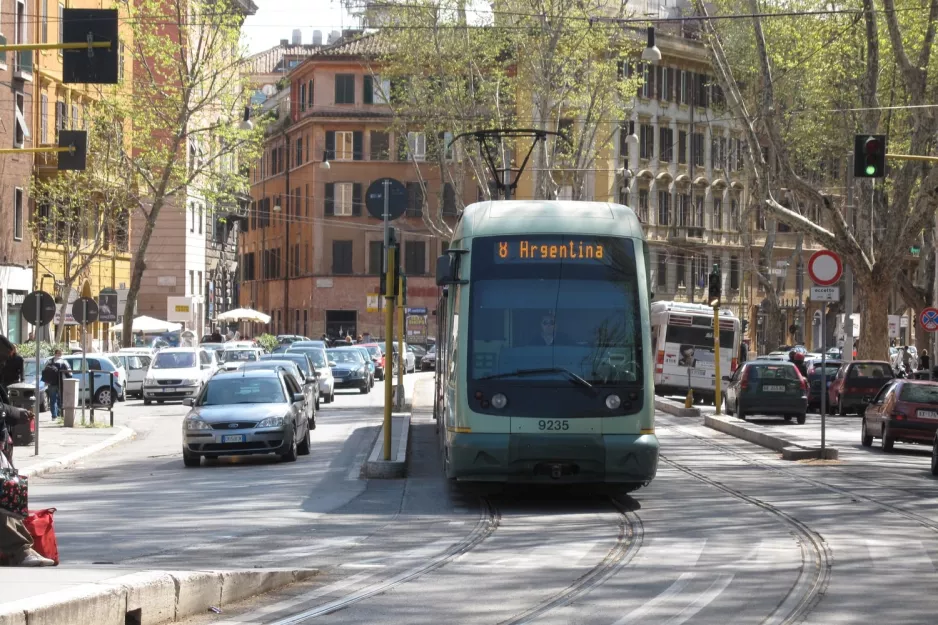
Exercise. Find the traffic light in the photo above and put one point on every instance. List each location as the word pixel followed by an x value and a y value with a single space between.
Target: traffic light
pixel 395 267
pixel 745 325
pixel 869 156
pixel 715 288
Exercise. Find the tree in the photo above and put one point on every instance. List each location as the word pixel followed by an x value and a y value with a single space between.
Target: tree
pixel 803 103
pixel 185 106
pixel 81 214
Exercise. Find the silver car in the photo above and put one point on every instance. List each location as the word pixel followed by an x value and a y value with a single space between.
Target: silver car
pixel 245 413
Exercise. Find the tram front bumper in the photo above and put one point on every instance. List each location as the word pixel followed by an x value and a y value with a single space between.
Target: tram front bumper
pixel 572 458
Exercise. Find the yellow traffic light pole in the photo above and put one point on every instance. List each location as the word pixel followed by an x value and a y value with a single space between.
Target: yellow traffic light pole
pixel 388 348
pixel 401 356
pixel 718 395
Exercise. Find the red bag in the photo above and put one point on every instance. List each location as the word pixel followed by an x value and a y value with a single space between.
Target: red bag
pixel 40 526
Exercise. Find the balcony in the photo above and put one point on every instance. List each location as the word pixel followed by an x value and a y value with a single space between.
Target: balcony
pixel 687 235
pixel 23 67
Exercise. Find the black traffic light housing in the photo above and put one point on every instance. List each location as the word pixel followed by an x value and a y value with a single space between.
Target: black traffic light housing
pixel 90 65
pixel 395 267
pixel 869 156
pixel 77 143
pixel 715 288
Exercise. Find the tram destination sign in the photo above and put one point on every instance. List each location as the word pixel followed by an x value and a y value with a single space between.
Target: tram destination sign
pixel 546 250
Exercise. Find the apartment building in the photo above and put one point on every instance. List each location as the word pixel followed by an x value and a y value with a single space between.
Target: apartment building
pixel 16 262
pixel 311 256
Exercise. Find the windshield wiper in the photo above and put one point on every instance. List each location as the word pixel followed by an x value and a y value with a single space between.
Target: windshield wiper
pixel 522 372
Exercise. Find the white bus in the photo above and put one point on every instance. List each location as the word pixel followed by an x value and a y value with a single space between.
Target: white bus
pixel 682 336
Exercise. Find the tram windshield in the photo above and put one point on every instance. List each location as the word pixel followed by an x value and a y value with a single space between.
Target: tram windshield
pixel 555 307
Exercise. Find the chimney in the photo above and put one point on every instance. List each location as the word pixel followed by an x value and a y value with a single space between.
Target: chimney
pixel 317 37
pixel 297 37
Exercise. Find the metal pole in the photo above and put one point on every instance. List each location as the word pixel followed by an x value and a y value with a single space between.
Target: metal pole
pixel 848 272
pixel 823 374
pixel 934 294
pixel 36 331
pixel 84 363
pixel 718 396
pixel 388 344
pixel 401 356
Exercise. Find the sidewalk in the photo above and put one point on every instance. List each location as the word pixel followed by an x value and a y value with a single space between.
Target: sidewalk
pixel 60 446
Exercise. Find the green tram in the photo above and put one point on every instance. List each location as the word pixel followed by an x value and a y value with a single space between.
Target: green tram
pixel 544 357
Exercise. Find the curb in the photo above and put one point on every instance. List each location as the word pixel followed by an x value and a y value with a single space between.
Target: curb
pixel 148 597
pixel 53 464
pixel 674 408
pixel 789 450
pixel 378 468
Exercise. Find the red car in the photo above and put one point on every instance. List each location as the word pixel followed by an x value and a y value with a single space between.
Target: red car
pixel 377 357
pixel 856 383
pixel 903 410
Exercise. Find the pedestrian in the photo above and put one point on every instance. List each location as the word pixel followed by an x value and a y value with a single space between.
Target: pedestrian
pixel 15 541
pixel 52 374
pixel 366 338
pixel 12 372
pixel 348 339
pixel 924 362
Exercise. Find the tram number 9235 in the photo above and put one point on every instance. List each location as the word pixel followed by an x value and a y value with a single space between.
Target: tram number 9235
pixel 553 424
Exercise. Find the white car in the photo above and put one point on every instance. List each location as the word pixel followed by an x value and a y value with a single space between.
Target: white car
pixel 178 373
pixel 233 357
pixel 135 366
pixel 323 367
pixel 410 359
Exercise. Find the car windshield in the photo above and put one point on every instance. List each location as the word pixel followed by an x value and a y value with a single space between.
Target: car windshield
pixel 174 360
pixel 870 370
pixel 298 359
pixel 830 368
pixel 374 350
pixel 316 355
pixel 555 304
pixel 239 355
pixel 230 389
pixel 29 368
pixel 345 356
pixel 773 372
pixel 919 393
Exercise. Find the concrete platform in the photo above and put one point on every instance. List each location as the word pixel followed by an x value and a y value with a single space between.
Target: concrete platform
pixel 763 437
pixel 674 408
pixel 376 467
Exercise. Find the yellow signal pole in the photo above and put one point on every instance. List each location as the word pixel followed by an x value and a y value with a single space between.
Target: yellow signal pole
pixel 388 349
pixel 401 356
pixel 718 396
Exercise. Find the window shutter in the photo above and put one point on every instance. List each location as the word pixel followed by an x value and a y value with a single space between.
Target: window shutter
pixel 358 145
pixel 356 198
pixel 309 94
pixel 368 90
pixel 330 145
pixel 303 97
pixel 329 206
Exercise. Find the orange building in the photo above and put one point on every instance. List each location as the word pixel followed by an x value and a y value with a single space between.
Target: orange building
pixel 311 255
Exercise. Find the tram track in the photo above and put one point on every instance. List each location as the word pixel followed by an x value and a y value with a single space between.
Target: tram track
pixel 488 522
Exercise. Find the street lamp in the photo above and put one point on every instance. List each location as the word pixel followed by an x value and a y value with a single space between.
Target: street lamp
pixel 632 138
pixel 651 53
pixel 246 123
pixel 325 162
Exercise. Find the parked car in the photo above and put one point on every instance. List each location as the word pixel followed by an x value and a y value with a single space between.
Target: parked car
pixel 410 360
pixel 306 367
pixel 814 380
pixel 246 412
pixel 178 373
pixel 767 387
pixel 136 366
pixel 428 362
pixel 856 383
pixel 377 356
pixel 317 354
pixel 366 356
pixel 306 384
pixel 101 382
pixel 232 358
pixel 349 369
pixel 902 410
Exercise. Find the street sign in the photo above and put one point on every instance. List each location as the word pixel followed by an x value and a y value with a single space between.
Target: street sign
pixel 397 198
pixel 825 267
pixel 825 293
pixel 107 306
pixel 41 303
pixel 929 319
pixel 85 310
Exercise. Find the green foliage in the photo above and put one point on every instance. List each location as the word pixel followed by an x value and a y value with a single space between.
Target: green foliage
pixel 268 341
pixel 28 350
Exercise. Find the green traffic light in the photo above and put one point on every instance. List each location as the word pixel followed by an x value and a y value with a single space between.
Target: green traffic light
pixel 870 170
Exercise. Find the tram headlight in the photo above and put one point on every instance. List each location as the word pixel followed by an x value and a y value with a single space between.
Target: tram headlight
pixel 613 402
pixel 499 401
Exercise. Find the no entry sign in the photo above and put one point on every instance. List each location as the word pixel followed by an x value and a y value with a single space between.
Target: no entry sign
pixel 825 268
pixel 929 319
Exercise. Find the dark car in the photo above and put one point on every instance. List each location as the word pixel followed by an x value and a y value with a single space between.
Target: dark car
pixel 767 387
pixel 350 370
pixel 246 412
pixel 306 384
pixel 902 410
pixel 377 357
pixel 428 361
pixel 856 383
pixel 366 356
pixel 814 379
pixel 305 365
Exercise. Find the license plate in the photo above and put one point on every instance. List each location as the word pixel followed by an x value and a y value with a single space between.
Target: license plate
pixel 169 390
pixel 233 438
pixel 926 414
pixel 773 388
pixel 698 372
pixel 340 379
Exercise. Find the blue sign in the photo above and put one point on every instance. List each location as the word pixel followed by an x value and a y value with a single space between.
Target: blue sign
pixel 416 311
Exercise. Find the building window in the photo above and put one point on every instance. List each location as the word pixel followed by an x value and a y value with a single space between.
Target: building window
pixel 648 79
pixel 643 205
pixel 666 141
pixel 75 121
pixel 417 145
pixel 61 21
pixel 44 117
pixel 190 290
pixel 415 258
pixel 201 218
pixel 200 282
pixel 303 97
pixel 309 94
pixel 368 89
pixel 18 225
pixel 718 213
pixel 682 147
pixel 299 152
pixel 21 133
pixel 343 199
pixel 664 208
pixel 680 267
pixel 345 88
pixel 665 86
pixel 734 215
pixel 698 141
pixel 447 147
pixel 449 199
pixel 342 257
pixel 380 146
pixel 698 211
pixel 414 200
pixel 44 17
pixel 624 144
pixel 662 270
pixel 683 209
pixel 375 257
pixel 192 224
pixel 646 141
pixel 682 87
pixel 699 270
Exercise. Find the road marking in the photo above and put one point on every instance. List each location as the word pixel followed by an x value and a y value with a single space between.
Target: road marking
pixel 908 555
pixel 670 601
pixel 673 590
pixel 702 600
pixel 671 552
pixel 543 557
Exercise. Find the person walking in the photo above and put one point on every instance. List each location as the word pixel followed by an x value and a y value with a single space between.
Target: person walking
pixel 16 544
pixel 924 361
pixel 52 374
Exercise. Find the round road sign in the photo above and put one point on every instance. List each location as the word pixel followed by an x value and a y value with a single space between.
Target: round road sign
pixel 85 310
pixel 397 198
pixel 929 319
pixel 43 303
pixel 825 268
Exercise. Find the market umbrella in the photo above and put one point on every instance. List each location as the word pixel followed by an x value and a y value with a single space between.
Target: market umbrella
pixel 244 314
pixel 150 325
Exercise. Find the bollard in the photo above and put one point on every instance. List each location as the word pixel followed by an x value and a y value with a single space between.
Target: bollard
pixel 68 398
pixel 110 408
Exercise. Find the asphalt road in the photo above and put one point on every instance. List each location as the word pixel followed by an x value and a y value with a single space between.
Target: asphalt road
pixel 727 533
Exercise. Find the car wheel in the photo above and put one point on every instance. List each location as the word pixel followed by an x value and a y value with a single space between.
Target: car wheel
pixel 44 402
pixel 364 389
pixel 787 418
pixel 332 397
pixel 291 453
pixel 104 396
pixel 866 439
pixel 802 418
pixel 317 402
pixel 888 441
pixel 840 406
pixel 190 459
pixel 740 413
pixel 147 402
pixel 934 457
pixel 304 447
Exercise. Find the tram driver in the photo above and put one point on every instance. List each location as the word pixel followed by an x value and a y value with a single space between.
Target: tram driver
pixel 548 334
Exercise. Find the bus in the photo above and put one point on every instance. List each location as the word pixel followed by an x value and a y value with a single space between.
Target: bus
pixel 682 339
pixel 544 354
